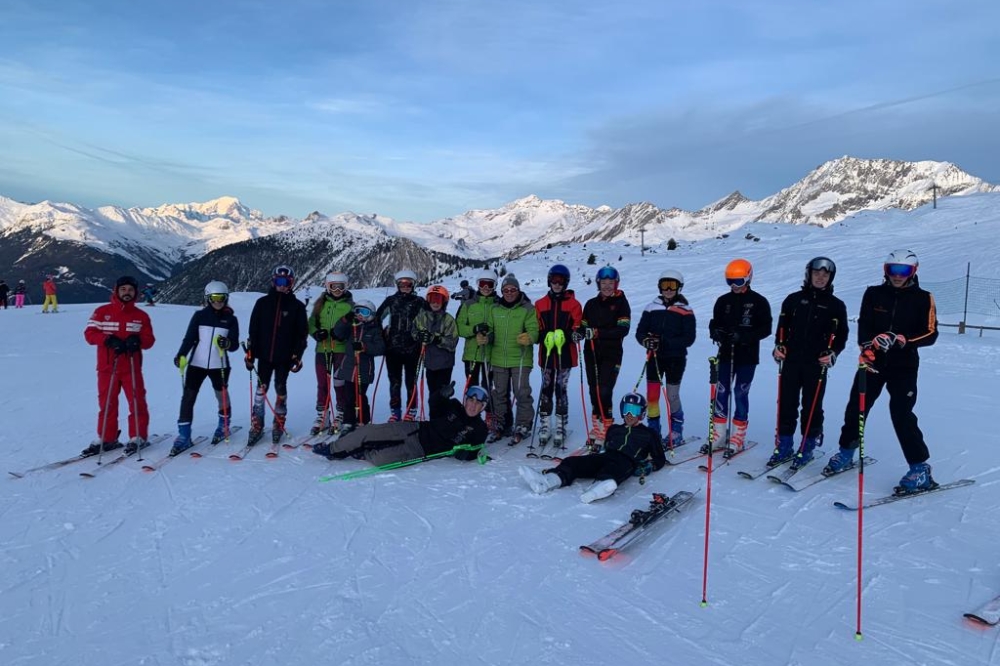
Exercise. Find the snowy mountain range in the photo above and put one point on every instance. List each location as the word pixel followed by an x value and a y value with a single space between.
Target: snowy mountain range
pixel 158 243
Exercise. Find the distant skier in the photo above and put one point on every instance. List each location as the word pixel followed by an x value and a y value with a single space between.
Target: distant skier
pixel 276 342
pixel 402 351
pixel 559 314
pixel 4 293
pixel 628 449
pixel 121 332
pixel 667 329
pixel 812 331
pixel 383 443
pixel 606 321
pixel 464 293
pixel 149 294
pixel 740 320
pixel 19 290
pixel 49 287
pixel 211 334
pixel 896 318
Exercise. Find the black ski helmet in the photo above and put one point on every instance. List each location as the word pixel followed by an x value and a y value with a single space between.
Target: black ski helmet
pixel 821 264
pixel 633 399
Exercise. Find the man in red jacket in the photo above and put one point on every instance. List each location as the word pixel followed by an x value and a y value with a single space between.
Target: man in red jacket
pixel 120 331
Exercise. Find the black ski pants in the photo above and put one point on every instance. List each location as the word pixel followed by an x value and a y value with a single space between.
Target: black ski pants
pixel 901 383
pixel 801 379
pixel 597 466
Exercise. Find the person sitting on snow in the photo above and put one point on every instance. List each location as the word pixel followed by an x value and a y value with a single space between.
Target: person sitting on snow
pixel 627 448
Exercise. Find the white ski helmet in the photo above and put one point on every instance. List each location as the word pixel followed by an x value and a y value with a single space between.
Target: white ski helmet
pixel 405 274
pixel 364 310
pixel 671 274
pixel 335 277
pixel 487 274
pixel 901 263
pixel 216 287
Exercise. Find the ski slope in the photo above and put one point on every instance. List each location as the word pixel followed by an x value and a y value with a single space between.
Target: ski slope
pixel 209 562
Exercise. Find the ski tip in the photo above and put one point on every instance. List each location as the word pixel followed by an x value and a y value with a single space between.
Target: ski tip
pixel 235 458
pixel 607 554
pixel 271 454
pixel 978 620
pixel 148 468
pixel 16 475
pixel 195 454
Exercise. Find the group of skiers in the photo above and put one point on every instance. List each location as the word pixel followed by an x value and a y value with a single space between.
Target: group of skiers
pixel 416 336
pixel 19 290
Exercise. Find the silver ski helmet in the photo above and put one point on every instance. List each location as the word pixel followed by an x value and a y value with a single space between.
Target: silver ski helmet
pixel 216 288
pixel 364 310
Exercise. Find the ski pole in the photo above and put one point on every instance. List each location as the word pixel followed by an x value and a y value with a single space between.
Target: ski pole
pixel 405 463
pixel 378 377
pixel 812 406
pixel 862 379
pixel 661 380
pixel 182 364
pixel 132 405
pixel 713 379
pixel 642 373
pixel 547 342
pixel 597 383
pixel 583 398
pixel 729 397
pixel 107 406
pixel 413 392
pixel 777 409
pixel 225 387
pixel 558 387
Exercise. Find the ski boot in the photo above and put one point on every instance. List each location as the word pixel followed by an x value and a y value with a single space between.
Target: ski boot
pixel 183 441
pixel 521 433
pixel 805 456
pixel 783 452
pixel 319 425
pixel 917 479
pixel 840 461
pixel 559 438
pixel 338 421
pixel 539 482
pixel 221 429
pixel 395 414
pixel 99 446
pixel 718 435
pixel 135 444
pixel 676 435
pixel 278 428
pixel 599 490
pixel 411 414
pixel 738 437
pixel 653 423
pixel 544 428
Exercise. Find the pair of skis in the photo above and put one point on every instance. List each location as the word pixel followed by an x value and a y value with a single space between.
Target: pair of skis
pixel 123 456
pixel 661 507
pixel 728 454
pixel 545 449
pixel 192 450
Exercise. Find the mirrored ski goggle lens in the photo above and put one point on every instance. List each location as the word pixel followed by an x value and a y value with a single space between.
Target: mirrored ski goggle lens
pixel 900 270
pixel 336 286
pixel 364 312
pixel 476 393
pixel 607 274
pixel 218 298
pixel 821 265
pixel 435 298
pixel 673 285
pixel 736 282
pixel 510 290
pixel 557 279
pixel 282 281
pixel 487 284
pixel 405 284
pixel 632 409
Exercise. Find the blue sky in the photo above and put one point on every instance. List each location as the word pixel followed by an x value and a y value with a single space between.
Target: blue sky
pixel 424 109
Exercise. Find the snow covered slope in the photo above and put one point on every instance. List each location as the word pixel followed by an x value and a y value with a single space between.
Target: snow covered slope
pixel 212 563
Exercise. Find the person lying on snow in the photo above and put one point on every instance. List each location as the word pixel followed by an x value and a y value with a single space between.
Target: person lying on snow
pixel 628 449
pixel 383 443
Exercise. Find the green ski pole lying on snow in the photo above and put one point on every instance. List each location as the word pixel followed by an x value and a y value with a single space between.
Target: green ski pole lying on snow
pixel 481 459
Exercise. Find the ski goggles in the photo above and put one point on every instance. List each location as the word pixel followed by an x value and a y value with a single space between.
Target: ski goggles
pixel 510 290
pixel 558 279
pixel 435 298
pixel 737 282
pixel 607 273
pixel 671 285
pixel 363 311
pixel 334 287
pixel 477 393
pixel 487 284
pixel 404 284
pixel 900 270
pixel 218 298
pixel 822 264
pixel 632 409
pixel 282 281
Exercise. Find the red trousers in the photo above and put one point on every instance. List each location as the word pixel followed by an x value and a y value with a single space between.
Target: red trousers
pixel 109 383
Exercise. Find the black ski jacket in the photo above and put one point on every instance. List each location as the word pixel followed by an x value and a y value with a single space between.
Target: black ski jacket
pixel 452 426
pixel 638 443
pixel 748 315
pixel 808 318
pixel 908 311
pixel 402 310
pixel 279 328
